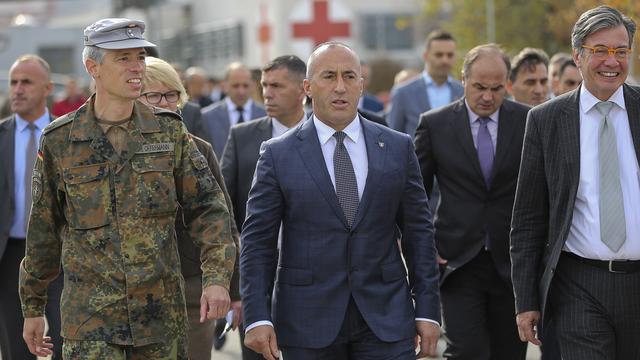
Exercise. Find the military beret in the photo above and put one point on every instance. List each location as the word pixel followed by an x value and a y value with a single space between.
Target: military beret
pixel 116 33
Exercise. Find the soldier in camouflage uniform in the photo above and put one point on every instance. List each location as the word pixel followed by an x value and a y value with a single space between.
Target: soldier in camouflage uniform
pixel 106 186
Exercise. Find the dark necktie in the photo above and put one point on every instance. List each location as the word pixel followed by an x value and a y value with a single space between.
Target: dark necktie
pixel 485 156
pixel 30 161
pixel 613 228
pixel 346 184
pixel 240 111
pixel 485 150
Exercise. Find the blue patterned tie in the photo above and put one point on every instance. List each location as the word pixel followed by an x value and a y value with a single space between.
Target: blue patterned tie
pixel 485 150
pixel 32 150
pixel 613 229
pixel 346 184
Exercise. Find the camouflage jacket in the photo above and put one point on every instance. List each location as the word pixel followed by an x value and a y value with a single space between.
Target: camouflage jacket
pixel 110 220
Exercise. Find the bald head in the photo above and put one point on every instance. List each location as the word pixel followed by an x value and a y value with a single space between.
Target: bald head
pixel 237 83
pixel 334 82
pixel 322 49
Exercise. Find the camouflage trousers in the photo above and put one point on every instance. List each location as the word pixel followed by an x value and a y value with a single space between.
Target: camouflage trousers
pixel 100 350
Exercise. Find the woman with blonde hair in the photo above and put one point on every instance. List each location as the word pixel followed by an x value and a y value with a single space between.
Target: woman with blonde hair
pixel 161 87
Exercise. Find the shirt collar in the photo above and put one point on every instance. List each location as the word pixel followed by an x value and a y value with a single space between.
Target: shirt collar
pixel 232 107
pixel 473 117
pixel 325 132
pixel 429 81
pixel 280 125
pixel 40 123
pixel 588 100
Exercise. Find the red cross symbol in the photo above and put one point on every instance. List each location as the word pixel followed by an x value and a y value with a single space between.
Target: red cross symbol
pixel 321 29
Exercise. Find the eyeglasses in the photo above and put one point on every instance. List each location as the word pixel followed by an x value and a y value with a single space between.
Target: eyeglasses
pixel 601 52
pixel 156 97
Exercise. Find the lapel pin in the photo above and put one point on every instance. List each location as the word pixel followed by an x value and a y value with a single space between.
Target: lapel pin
pixel 381 144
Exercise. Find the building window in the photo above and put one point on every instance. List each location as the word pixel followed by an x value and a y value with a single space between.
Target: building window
pixel 387 31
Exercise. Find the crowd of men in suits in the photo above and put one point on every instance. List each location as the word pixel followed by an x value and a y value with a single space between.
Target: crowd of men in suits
pixel 502 208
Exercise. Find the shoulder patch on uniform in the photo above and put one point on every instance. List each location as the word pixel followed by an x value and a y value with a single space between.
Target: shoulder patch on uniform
pixel 59 122
pixel 198 160
pixel 168 113
pixel 36 184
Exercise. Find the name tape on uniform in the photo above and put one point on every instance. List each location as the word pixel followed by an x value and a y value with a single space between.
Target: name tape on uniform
pixel 154 148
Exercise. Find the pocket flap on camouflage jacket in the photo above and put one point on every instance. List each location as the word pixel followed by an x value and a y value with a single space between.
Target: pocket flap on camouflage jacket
pixel 84 174
pixel 147 163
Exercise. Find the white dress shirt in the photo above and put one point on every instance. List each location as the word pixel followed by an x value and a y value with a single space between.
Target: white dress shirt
pixel 234 115
pixel 19 170
pixel 584 235
pixel 491 125
pixel 354 142
pixel 278 128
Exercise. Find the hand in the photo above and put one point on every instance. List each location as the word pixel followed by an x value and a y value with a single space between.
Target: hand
pixel 428 335
pixel 33 335
pixel 262 339
pixel 526 326
pixel 236 306
pixel 440 260
pixel 214 303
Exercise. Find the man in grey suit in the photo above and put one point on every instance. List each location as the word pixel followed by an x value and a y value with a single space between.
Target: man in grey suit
pixel 472 146
pixel 29 86
pixel 283 94
pixel 435 88
pixel 341 186
pixel 575 238
pixel 236 108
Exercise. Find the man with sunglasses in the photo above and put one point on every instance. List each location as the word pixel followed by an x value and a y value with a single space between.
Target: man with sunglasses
pixel 575 238
pixel 107 182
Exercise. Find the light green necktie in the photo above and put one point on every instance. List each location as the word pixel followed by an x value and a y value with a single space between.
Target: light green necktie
pixel 613 229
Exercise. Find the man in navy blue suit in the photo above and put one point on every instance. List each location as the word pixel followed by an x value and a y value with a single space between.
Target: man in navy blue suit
pixel 336 287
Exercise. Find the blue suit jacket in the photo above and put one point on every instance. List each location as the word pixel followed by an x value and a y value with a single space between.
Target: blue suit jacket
pixel 371 103
pixel 216 122
pixel 322 261
pixel 410 100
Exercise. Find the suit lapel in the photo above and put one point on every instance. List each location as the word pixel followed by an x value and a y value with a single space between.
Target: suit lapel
pixel 311 155
pixel 506 128
pixel 569 139
pixel 422 95
pixel 7 152
pixel 632 103
pixel 462 130
pixel 376 155
pixel 265 129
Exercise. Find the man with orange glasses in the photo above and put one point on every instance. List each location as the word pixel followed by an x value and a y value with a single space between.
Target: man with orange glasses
pixel 575 239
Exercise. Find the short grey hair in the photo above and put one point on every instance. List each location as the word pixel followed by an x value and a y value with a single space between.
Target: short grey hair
pixel 94 53
pixel 37 59
pixel 596 19
pixel 475 53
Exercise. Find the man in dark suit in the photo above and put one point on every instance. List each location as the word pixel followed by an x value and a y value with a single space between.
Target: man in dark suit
pixel 283 94
pixel 336 287
pixel 473 148
pixel 575 234
pixel 236 108
pixel 435 88
pixel 192 118
pixel 29 85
